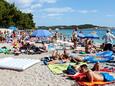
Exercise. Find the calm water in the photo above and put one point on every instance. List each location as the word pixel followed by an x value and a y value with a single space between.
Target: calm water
pixel 99 32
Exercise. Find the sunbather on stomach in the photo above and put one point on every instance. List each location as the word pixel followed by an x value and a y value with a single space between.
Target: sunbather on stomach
pixel 61 60
pixel 92 76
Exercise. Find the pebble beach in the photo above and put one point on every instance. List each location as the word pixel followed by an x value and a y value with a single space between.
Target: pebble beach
pixel 37 75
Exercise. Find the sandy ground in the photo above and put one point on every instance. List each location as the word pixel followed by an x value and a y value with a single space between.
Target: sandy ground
pixel 37 75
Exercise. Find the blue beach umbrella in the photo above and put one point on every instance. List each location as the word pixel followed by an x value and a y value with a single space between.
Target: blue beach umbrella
pixel 93 36
pixel 12 28
pixel 41 33
pixel 80 35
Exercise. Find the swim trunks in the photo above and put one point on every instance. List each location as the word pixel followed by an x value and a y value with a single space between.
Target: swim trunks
pixel 107 77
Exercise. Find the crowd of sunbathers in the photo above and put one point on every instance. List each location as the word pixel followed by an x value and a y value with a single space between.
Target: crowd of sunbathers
pixel 24 47
pixel 75 57
pixel 90 75
pixel 28 47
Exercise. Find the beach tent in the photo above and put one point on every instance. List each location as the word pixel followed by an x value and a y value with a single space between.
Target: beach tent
pixel 13 28
pixel 41 33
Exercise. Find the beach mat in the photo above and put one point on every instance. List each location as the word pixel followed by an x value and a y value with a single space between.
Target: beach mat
pixel 16 63
pixel 59 68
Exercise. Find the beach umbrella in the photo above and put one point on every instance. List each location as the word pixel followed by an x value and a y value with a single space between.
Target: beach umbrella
pixel 80 35
pixel 93 36
pixel 12 28
pixel 57 29
pixel 41 33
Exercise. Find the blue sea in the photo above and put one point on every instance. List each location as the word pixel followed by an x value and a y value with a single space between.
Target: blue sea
pixel 100 33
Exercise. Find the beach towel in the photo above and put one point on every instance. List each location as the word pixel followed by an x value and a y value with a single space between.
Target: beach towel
pixel 59 68
pixel 93 83
pixel 16 63
pixel 85 83
pixel 5 51
pixel 93 59
pixel 105 54
pixel 108 69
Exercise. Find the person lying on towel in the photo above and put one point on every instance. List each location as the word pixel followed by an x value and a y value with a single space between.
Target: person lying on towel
pixel 93 76
pixel 73 70
pixel 61 60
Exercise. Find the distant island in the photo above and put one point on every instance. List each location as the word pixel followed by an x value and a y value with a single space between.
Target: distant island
pixel 84 26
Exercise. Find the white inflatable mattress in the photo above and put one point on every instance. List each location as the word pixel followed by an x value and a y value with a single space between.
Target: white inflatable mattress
pixel 17 63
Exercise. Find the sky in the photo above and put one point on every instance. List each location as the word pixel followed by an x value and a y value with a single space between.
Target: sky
pixel 69 12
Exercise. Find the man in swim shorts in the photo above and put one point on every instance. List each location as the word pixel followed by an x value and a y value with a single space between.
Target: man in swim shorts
pixel 96 75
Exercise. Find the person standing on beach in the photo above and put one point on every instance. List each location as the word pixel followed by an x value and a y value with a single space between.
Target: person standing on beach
pixel 108 37
pixel 74 37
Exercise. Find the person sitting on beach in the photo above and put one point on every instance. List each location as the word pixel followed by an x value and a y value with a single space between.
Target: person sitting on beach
pixel 59 59
pixel 43 47
pixel 55 55
pixel 92 76
pixel 90 48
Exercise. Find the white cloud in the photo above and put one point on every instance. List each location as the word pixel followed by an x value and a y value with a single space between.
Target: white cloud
pixel 36 6
pixel 51 15
pixel 47 1
pixel 25 5
pixel 87 11
pixel 56 11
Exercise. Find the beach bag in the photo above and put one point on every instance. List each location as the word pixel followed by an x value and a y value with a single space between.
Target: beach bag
pixel 71 70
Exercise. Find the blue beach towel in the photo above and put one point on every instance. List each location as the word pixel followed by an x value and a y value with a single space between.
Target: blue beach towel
pixel 105 54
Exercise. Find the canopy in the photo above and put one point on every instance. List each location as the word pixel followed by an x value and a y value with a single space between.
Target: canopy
pixel 12 28
pixel 80 35
pixel 41 33
pixel 93 36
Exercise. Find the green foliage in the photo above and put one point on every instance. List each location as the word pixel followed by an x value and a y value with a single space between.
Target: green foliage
pixel 85 26
pixel 10 15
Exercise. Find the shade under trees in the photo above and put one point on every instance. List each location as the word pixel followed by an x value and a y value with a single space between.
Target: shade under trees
pixel 10 15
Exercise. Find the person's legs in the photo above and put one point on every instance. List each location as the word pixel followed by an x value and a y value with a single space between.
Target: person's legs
pixel 93 76
pixel 105 47
pixel 108 47
pixel 96 67
pixel 113 48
